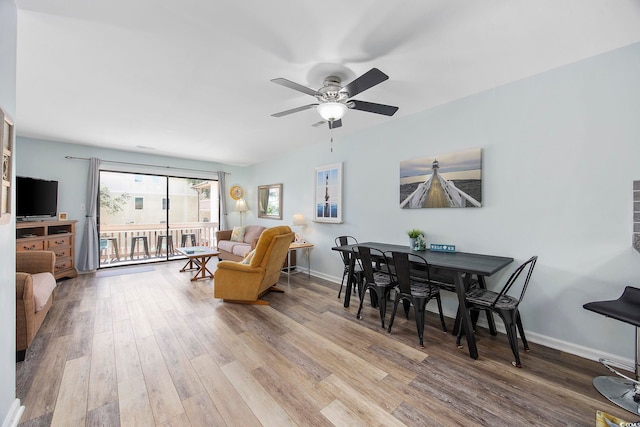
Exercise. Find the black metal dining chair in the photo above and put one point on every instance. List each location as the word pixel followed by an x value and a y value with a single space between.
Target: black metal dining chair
pixel 379 282
pixel 356 275
pixel 505 306
pixel 412 290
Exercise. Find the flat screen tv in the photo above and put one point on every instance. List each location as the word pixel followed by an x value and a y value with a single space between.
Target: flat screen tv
pixel 36 198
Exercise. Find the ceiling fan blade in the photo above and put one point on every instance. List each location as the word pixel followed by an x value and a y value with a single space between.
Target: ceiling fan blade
pixel 372 107
pixel 294 110
pixel 320 123
pixel 295 86
pixel 365 81
pixel 335 124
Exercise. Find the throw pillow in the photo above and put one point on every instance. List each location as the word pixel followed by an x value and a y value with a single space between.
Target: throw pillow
pixel 247 259
pixel 237 235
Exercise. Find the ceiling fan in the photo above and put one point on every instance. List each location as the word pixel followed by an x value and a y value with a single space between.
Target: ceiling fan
pixel 334 99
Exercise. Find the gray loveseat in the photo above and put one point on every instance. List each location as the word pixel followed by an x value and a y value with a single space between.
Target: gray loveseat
pixel 236 251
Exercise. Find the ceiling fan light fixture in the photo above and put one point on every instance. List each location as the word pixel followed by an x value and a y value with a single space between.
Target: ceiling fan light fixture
pixel 331 111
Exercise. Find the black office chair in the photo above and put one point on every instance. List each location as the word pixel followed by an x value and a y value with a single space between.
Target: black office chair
pixel 346 260
pixel 505 306
pixel 623 391
pixel 416 291
pixel 379 282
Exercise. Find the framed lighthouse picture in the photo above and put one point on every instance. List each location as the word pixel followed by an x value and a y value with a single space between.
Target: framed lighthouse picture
pixel 449 180
pixel 328 193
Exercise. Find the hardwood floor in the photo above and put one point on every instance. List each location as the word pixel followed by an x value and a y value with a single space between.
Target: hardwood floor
pixel 154 348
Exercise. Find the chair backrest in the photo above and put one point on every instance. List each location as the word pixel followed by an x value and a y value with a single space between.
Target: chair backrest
pixel 270 253
pixel 530 264
pixel 346 240
pixel 366 255
pixel 404 264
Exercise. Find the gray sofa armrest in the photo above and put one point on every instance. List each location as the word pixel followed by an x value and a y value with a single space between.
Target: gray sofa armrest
pixel 223 235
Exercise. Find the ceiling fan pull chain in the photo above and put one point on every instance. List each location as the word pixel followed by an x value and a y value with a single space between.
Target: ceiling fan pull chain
pixel 331 135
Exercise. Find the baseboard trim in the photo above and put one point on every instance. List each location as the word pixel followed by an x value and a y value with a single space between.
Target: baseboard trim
pixel 556 344
pixel 15 413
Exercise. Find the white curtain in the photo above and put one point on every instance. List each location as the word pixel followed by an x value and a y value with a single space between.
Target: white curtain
pixel 222 196
pixel 89 259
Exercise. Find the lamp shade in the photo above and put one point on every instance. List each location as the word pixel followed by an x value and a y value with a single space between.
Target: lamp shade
pixel 299 219
pixel 241 206
pixel 331 110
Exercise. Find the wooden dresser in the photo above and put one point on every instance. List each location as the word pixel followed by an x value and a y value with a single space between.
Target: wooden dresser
pixel 56 236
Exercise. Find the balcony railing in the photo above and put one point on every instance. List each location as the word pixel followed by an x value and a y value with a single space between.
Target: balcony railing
pixel 122 237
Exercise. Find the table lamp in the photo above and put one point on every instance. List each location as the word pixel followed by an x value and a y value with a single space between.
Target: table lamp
pixel 299 221
pixel 241 206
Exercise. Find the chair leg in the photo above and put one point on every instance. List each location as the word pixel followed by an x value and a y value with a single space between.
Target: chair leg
pixel 364 291
pixel 382 302
pixel 406 305
pixel 509 318
pixel 359 282
pixel 393 312
pixel 521 331
pixel 344 273
pixel 439 301
pixel 418 306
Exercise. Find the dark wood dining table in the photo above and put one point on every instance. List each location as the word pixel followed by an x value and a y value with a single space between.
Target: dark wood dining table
pixel 453 265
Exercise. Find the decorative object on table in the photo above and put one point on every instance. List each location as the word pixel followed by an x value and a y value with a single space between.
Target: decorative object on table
pixel 299 221
pixel 328 194
pixel 270 201
pixel 6 139
pixel 62 216
pixel 241 206
pixel 420 244
pixel 438 247
pixel 236 192
pixel 636 215
pixel 451 180
pixel 413 235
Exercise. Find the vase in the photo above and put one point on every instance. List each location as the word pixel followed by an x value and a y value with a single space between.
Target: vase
pixel 412 242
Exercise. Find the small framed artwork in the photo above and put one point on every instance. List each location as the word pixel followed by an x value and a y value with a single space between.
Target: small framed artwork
pixel 6 139
pixel 62 216
pixel 328 193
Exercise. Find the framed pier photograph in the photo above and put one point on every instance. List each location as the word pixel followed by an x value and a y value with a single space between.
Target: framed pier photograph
pixel 450 180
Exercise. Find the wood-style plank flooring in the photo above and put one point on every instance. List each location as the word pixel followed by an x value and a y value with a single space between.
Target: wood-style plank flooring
pixel 154 348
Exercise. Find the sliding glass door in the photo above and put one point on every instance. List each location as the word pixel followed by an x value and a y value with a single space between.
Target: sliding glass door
pixel 144 218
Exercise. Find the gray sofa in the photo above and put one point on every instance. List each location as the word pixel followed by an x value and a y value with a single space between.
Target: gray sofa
pixel 236 251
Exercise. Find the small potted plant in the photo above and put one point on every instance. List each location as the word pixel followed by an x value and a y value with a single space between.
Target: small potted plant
pixel 413 235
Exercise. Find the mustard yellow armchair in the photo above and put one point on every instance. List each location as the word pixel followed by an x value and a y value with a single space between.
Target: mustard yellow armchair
pixel 246 283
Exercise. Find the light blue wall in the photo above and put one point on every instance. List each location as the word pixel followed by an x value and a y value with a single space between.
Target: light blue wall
pixel 46 159
pixel 8 37
pixel 560 153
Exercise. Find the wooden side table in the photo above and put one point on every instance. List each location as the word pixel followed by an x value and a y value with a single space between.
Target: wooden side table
pixel 295 247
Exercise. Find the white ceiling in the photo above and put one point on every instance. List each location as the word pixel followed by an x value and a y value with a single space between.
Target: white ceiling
pixel 191 78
